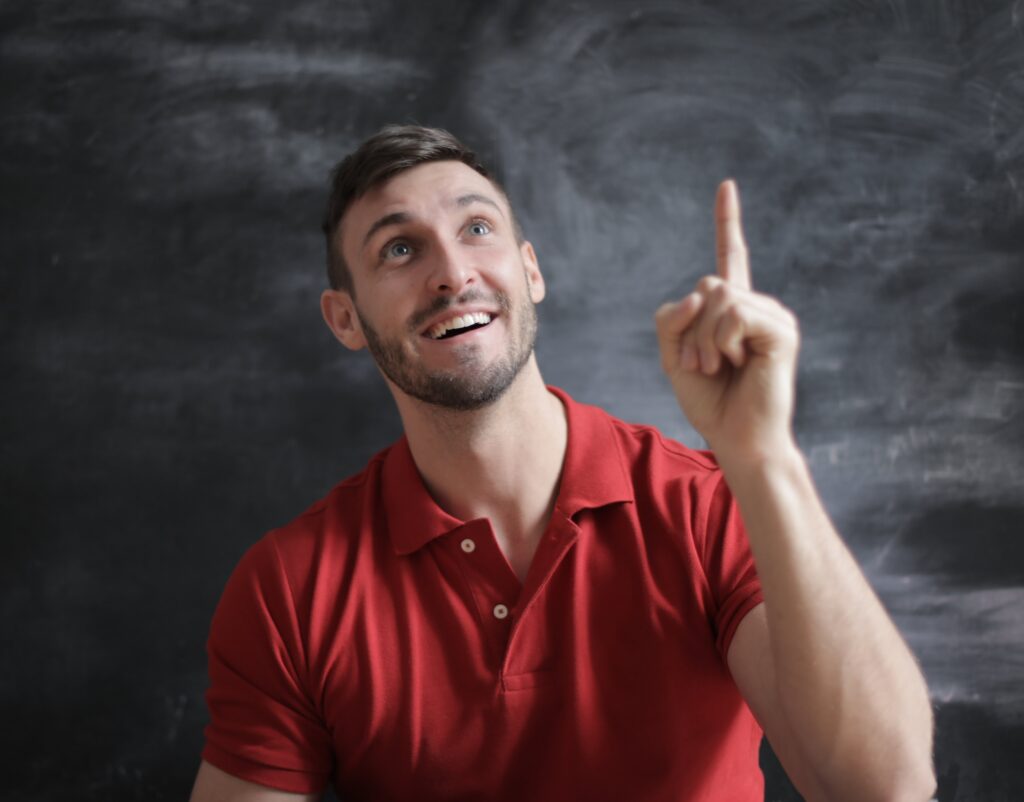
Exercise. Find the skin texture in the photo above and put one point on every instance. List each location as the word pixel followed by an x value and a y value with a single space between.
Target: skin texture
pixel 820 663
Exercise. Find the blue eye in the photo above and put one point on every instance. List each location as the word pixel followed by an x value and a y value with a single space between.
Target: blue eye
pixel 396 250
pixel 479 228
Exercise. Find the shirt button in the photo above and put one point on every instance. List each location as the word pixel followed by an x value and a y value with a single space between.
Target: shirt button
pixel 500 611
pixel 468 546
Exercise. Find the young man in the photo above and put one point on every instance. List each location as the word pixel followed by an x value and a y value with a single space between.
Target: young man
pixel 525 598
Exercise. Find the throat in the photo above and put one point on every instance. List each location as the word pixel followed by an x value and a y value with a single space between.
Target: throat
pixel 503 462
pixel 518 551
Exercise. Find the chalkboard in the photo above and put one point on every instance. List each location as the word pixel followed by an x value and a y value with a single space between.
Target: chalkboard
pixel 170 392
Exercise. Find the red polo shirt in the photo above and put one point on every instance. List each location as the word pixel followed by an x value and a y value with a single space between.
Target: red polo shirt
pixel 378 642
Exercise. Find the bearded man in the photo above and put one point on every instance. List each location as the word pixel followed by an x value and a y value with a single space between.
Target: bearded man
pixel 525 598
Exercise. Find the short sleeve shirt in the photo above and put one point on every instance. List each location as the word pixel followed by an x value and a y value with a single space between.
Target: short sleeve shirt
pixel 381 645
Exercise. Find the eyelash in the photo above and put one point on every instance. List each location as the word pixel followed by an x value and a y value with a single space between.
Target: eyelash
pixel 384 253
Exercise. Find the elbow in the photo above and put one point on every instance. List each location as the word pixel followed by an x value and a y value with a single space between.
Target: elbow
pixel 905 769
pixel 916 781
pixel 909 779
pixel 913 784
pixel 919 786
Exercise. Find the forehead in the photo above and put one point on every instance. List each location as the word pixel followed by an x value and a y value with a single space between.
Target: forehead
pixel 430 181
pixel 423 192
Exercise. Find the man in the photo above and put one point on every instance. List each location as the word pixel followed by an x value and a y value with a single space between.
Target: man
pixel 525 598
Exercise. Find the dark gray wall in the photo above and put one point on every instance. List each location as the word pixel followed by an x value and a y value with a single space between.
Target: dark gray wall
pixel 169 392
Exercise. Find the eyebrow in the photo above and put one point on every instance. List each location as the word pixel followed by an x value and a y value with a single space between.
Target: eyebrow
pixel 474 197
pixel 397 218
pixel 393 219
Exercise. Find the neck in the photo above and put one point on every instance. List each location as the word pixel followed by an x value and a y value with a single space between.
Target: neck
pixel 501 462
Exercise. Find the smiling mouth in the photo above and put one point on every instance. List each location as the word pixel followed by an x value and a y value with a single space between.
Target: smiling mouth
pixel 447 329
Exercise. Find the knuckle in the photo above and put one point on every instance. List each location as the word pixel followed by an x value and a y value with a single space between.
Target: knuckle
pixel 707 284
pixel 789 328
pixel 795 329
pixel 722 292
pixel 779 307
pixel 733 316
pixel 732 248
pixel 706 335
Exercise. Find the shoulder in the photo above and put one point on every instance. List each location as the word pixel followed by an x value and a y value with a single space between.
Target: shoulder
pixel 675 489
pixel 646 447
pixel 678 483
pixel 322 538
pixel 597 433
pixel 292 585
pixel 338 513
pixel 658 469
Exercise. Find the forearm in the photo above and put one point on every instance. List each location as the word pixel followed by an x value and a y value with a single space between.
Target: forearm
pixel 846 680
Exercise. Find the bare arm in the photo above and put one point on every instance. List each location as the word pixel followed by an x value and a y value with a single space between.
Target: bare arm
pixel 822 665
pixel 845 698
pixel 214 785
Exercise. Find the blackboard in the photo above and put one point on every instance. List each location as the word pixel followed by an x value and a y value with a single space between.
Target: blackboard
pixel 170 392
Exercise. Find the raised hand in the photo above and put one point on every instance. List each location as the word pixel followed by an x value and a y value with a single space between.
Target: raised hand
pixel 729 352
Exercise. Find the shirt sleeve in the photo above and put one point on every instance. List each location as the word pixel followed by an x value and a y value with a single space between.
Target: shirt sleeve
pixel 728 563
pixel 264 728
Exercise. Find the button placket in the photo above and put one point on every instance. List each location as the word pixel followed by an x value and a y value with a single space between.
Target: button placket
pixel 522 664
pixel 487 572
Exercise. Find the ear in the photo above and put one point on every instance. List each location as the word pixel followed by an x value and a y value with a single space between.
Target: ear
pixel 534 279
pixel 339 311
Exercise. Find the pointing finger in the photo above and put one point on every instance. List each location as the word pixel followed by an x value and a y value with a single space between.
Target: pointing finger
pixel 733 264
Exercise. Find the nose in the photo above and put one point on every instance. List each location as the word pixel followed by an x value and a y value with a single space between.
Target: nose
pixel 451 272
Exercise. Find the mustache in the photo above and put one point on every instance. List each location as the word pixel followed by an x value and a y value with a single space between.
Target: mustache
pixel 419 318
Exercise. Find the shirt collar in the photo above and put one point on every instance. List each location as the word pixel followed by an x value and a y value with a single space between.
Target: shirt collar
pixel 593 475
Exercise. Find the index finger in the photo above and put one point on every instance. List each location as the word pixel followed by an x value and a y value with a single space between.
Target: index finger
pixel 733 263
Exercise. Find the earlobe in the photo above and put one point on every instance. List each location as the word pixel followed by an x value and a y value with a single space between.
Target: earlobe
pixel 534 278
pixel 339 313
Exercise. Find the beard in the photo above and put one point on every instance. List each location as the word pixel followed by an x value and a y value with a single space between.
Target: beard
pixel 473 384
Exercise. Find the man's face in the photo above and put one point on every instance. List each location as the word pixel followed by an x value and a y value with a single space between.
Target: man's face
pixel 445 293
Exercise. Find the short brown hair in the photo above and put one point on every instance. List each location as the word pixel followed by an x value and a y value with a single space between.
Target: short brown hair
pixel 392 150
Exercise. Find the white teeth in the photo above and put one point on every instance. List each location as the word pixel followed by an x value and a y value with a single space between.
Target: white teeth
pixel 460 322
